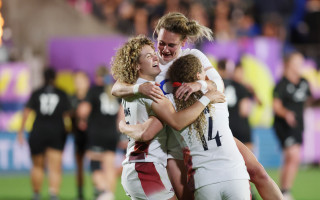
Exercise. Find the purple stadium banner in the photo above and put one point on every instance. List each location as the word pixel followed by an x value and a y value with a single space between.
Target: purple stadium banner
pixel 84 54
pixel 14 83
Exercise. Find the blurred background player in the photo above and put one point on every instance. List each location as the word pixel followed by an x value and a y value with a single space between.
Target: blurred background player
pixel 291 94
pixel 48 135
pixel 102 109
pixel 79 127
pixel 239 104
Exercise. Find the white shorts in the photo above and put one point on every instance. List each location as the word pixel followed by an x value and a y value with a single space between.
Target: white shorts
pixel 174 149
pixel 233 190
pixel 146 181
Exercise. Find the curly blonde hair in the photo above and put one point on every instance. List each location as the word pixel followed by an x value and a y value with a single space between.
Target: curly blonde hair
pixel 124 63
pixel 184 70
pixel 178 23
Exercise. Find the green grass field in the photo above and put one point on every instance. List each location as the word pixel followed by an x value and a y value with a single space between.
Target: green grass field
pixel 17 187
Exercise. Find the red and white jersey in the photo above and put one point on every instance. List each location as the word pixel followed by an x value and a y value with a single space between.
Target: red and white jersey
pixel 163 79
pixel 137 110
pixel 214 158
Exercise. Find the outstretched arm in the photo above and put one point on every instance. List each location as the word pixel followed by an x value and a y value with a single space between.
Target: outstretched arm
pixel 148 89
pixel 266 187
pixel 178 120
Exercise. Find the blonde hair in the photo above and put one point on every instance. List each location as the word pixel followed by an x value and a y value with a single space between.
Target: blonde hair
pixel 184 70
pixel 124 63
pixel 178 23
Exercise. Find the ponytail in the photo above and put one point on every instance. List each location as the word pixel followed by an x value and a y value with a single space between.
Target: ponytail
pixel 178 23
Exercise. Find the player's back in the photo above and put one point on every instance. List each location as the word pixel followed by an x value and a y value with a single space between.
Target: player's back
pixel 213 156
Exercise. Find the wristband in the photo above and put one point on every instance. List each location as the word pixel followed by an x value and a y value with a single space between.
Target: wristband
pixel 204 100
pixel 204 86
pixel 135 89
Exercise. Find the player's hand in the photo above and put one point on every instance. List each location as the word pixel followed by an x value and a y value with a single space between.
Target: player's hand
pixel 122 126
pixel 188 89
pixel 20 138
pixel 152 91
pixel 291 119
pixel 215 96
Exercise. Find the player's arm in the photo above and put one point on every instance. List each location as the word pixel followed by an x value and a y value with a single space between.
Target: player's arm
pixel 84 110
pixel 245 107
pixel 214 76
pixel 283 112
pixel 25 115
pixel 142 132
pixel 213 82
pixel 123 90
pixel 178 120
pixel 189 88
pixel 315 102
pixel 265 185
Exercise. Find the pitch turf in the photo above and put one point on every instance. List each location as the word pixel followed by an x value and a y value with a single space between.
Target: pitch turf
pixel 17 187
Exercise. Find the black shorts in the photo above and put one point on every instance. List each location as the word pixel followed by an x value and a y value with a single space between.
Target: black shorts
pixel 80 141
pixel 39 141
pixel 100 142
pixel 288 136
pixel 241 130
pixel 242 136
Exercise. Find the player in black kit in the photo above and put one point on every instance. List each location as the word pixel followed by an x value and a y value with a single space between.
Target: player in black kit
pixel 239 105
pixel 290 96
pixel 79 127
pixel 102 109
pixel 48 135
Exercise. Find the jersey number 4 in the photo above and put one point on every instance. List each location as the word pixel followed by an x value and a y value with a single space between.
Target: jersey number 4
pixel 217 137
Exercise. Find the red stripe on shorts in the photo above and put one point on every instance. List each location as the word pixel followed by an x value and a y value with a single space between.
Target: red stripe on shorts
pixel 150 179
pixel 140 151
pixel 190 171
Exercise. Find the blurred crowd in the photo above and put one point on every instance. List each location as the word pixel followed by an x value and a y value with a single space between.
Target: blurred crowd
pixel 288 20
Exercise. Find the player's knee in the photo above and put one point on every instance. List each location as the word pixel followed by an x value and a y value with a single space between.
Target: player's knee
pixel 95 165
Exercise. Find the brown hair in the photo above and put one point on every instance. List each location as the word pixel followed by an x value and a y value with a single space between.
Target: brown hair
pixel 178 23
pixel 184 70
pixel 124 63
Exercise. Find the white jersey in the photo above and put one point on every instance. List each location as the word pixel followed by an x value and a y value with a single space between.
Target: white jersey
pixel 173 146
pixel 163 79
pixel 216 157
pixel 137 110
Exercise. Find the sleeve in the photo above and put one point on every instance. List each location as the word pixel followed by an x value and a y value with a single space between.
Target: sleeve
pixel 244 92
pixel 214 76
pixel 32 102
pixel 211 73
pixel 278 91
pixel 203 58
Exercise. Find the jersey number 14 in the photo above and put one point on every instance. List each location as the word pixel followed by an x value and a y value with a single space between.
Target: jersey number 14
pixel 217 137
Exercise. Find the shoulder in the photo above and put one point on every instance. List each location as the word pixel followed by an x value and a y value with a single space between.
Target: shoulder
pixel 282 83
pixel 60 91
pixel 196 52
pixel 303 80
